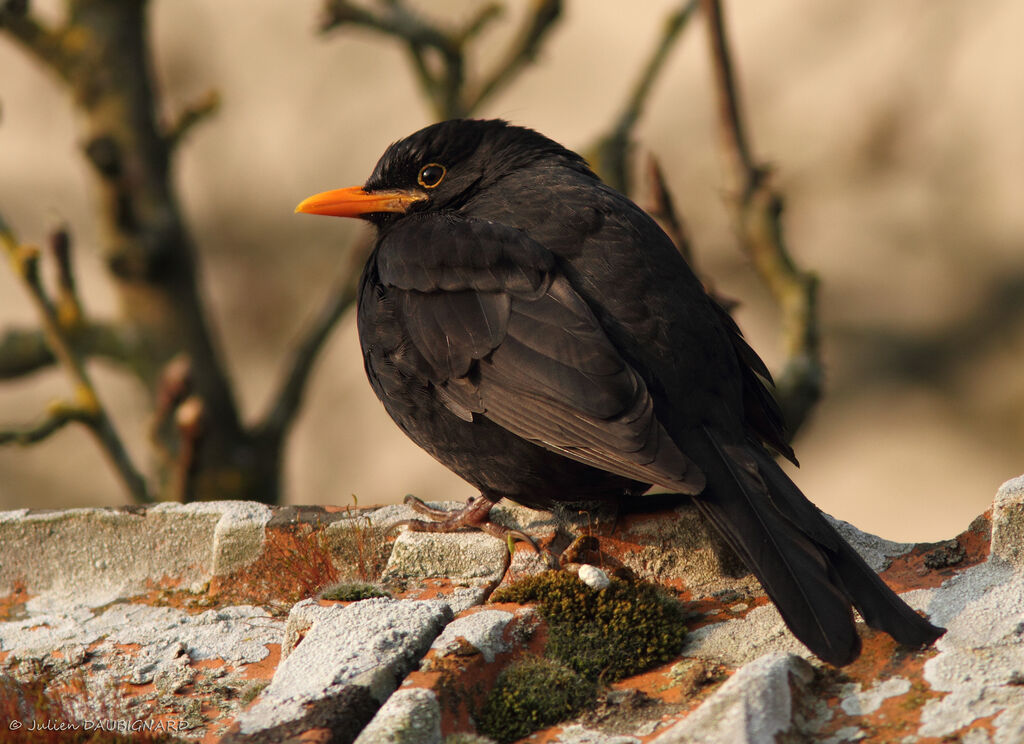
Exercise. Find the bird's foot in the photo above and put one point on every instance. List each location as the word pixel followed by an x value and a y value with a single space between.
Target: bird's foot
pixel 475 515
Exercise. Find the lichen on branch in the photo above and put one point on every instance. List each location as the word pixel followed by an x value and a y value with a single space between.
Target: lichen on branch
pixel 757 209
pixel 84 405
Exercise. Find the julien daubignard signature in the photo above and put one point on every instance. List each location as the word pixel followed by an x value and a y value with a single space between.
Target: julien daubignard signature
pixel 119 725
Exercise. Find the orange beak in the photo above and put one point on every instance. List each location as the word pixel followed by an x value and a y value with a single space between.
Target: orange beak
pixel 356 202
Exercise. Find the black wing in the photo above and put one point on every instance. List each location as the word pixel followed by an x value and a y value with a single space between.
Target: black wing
pixel 500 333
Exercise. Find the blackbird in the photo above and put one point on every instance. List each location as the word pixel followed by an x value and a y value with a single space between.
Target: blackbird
pixel 539 334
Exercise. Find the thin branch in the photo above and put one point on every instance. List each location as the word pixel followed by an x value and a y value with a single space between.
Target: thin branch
pixel 286 402
pixel 174 386
pixel 59 415
pixel 447 89
pixel 199 111
pixel 86 407
pixel 396 20
pixel 46 45
pixel 190 419
pixel 24 350
pixel 611 153
pixel 663 209
pixel 521 52
pixel 483 18
pixel 69 308
pixel 759 217
pixel 179 410
pixel 730 119
pixel 427 80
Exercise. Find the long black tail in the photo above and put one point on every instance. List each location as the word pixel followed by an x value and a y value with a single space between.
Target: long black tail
pixel 811 574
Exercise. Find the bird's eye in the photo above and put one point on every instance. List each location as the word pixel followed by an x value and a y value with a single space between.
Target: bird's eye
pixel 431 175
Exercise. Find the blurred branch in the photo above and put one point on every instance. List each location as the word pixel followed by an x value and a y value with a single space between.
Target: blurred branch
pixel 663 209
pixel 178 416
pixel 521 53
pixel 446 88
pixel 735 146
pixel 175 385
pixel 24 350
pixel 199 111
pixel 394 19
pixel 189 419
pixel 758 211
pixel 102 50
pixel 610 156
pixel 483 18
pixel 288 398
pixel 85 406
pixel 69 308
pixel 58 416
pixel 48 46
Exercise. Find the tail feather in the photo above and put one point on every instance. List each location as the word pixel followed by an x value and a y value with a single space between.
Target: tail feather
pixel 879 605
pixel 811 574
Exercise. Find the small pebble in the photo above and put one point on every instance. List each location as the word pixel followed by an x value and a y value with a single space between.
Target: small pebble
pixel 594 577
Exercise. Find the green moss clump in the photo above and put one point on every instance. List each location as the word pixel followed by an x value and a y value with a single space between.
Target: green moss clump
pixel 603 635
pixel 252 691
pixel 531 694
pixel 352 592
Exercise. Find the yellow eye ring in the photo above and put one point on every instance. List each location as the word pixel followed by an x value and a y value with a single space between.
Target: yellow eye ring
pixel 431 175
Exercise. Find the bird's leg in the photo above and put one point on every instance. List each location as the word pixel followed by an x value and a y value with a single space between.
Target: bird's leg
pixel 475 515
pixel 437 515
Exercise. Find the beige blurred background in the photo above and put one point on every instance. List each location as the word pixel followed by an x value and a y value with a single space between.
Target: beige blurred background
pixel 896 131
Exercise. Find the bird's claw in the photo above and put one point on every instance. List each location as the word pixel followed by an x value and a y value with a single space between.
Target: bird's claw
pixel 475 515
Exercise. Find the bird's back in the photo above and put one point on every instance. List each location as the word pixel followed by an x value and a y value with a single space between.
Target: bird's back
pixel 647 299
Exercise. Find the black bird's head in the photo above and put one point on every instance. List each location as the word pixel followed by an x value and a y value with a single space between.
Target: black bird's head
pixel 442 167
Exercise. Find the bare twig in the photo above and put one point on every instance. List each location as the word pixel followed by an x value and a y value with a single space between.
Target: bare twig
pixel 174 386
pixel 47 45
pixel 758 208
pixel 285 403
pixel 181 413
pixel 86 406
pixel 197 112
pixel 58 416
pixel 482 19
pixel 189 419
pixel 69 308
pixel 663 209
pixel 395 19
pixel 521 52
pixel 731 126
pixel 24 350
pixel 450 95
pixel 611 153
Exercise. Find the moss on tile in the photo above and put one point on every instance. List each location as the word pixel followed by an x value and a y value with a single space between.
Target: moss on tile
pixel 607 634
pixel 530 694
